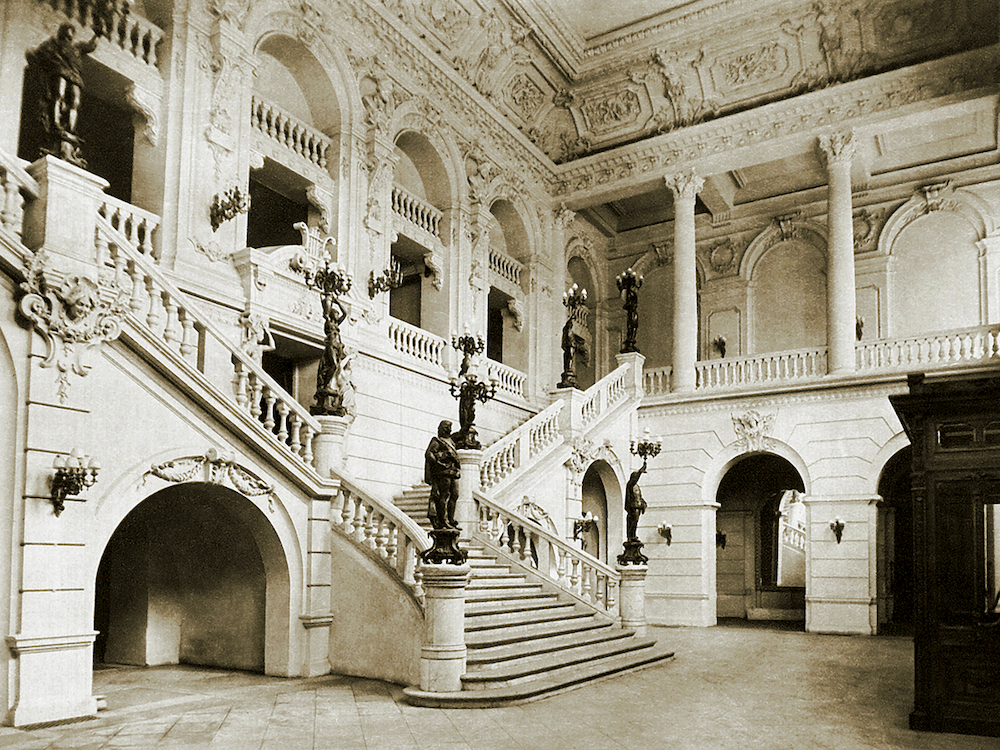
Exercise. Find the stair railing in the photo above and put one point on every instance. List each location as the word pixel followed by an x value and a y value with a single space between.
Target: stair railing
pixel 521 445
pixel 162 309
pixel 13 180
pixel 577 572
pixel 604 395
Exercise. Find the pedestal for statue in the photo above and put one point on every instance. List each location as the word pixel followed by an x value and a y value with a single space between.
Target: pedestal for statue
pixel 632 554
pixel 465 512
pixel 633 597
pixel 445 549
pixel 328 445
pixel 442 656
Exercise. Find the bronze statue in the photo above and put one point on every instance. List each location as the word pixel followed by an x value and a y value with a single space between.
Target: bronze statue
pixel 330 282
pixel 59 60
pixel 628 285
pixel 441 471
pixel 635 506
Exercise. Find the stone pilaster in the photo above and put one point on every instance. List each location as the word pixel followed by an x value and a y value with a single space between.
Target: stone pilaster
pixel 685 187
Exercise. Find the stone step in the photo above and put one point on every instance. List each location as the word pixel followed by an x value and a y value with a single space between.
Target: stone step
pixel 505 606
pixel 552 683
pixel 551 664
pixel 483 597
pixel 534 633
pixel 532 623
pixel 512 588
pixel 548 611
pixel 489 656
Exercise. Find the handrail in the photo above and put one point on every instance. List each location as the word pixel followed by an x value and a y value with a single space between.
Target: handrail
pixel 393 538
pixel 577 572
pixel 604 394
pixel 520 445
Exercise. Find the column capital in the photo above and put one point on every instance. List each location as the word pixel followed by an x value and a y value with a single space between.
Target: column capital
pixel 836 149
pixel 684 184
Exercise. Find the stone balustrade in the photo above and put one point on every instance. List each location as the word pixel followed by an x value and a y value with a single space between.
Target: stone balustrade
pixel 604 395
pixel 574 570
pixel 127 30
pixel 803 364
pixel 393 538
pixel 15 183
pixel 964 346
pixel 508 379
pixel 416 342
pixel 137 225
pixel 506 267
pixel 521 445
pixel 416 211
pixel 289 132
pixel 656 380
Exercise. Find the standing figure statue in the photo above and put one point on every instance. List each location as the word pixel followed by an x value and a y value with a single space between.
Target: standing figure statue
pixel 59 60
pixel 635 506
pixel 569 342
pixel 441 471
pixel 329 399
pixel 628 285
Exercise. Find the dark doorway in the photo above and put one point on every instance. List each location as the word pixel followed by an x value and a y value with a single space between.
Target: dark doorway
pixel 895 545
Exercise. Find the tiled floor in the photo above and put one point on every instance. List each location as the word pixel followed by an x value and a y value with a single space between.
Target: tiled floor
pixel 729 687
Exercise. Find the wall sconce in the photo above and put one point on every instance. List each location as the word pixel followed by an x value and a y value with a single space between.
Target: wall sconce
pixel 666 532
pixel 720 539
pixel 227 206
pixel 837 527
pixel 580 525
pixel 73 473
pixel 390 278
pixel 719 344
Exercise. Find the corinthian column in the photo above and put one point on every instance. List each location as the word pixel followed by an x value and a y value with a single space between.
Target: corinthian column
pixel 685 187
pixel 841 314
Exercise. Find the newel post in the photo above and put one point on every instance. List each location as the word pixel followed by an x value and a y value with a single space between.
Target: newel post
pixel 442 656
pixel 632 601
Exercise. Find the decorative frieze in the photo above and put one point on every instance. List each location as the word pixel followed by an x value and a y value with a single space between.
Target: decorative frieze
pixel 214 467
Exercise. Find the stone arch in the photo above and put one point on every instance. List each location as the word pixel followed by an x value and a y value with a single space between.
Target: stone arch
pixel 269 522
pixel 894 445
pixel 737 451
pixel 607 470
pixel 807 232
pixel 933 198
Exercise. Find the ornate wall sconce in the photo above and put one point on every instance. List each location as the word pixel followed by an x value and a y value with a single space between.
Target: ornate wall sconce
pixel 390 278
pixel 837 527
pixel 584 524
pixel 719 344
pixel 720 539
pixel 227 206
pixel 665 530
pixel 73 473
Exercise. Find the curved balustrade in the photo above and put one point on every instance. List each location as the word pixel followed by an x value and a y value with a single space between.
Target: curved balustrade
pixel 289 132
pixel 947 348
pixel 605 394
pixel 14 180
pixel 574 570
pixel 506 267
pixel 417 211
pixel 416 342
pixel 508 379
pixel 515 449
pixel 168 314
pixel 136 224
pixel 765 368
pixel 394 538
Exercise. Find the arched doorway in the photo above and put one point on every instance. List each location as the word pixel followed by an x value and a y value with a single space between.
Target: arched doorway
pixel 894 545
pixel 194 574
pixel 594 504
pixel 757 567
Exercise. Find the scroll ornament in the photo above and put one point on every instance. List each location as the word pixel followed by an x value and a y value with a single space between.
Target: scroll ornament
pixel 73 317
pixel 214 467
pixel 753 429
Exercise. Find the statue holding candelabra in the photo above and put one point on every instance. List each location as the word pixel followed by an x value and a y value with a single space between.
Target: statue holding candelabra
pixel 467 388
pixel 629 283
pixel 574 299
pixel 332 378
pixel 635 505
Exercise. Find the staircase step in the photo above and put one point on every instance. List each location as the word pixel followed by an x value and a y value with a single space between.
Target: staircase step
pixel 483 656
pixel 487 638
pixel 527 623
pixel 531 667
pixel 558 681
pixel 477 620
pixel 512 588
pixel 483 597
pixel 509 606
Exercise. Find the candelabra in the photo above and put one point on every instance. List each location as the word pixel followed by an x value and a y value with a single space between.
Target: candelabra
pixel 646 448
pixel 332 377
pixel 390 278
pixel 635 506
pixel 629 283
pixel 73 474
pixel 467 388
pixel 574 299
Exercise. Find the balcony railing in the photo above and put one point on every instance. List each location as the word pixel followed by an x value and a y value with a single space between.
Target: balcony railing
pixel 15 183
pixel 137 225
pixel 416 342
pixel 508 379
pixel 957 348
pixel 416 211
pixel 289 132
pixel 125 29
pixel 506 267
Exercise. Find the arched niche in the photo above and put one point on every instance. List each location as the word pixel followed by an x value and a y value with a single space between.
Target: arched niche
pixel 789 297
pixel 290 76
pixel 195 574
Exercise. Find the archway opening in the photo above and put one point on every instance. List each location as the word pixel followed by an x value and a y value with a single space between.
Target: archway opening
pixel 594 505
pixel 894 545
pixel 192 575
pixel 760 541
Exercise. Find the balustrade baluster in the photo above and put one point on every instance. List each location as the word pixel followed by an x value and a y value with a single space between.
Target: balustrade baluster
pixel 269 400
pixel 138 289
pixel 574 575
pixel 392 545
pixel 256 393
pixel 170 328
pixel 283 421
pixel 610 598
pixel 347 512
pixel 189 335
pixel 361 531
pixel 588 585
pixel 241 385
pixel 382 537
pixel 307 439
pixel 294 427
pixel 153 314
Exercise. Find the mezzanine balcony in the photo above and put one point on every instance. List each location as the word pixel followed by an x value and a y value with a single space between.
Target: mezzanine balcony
pixel 959 348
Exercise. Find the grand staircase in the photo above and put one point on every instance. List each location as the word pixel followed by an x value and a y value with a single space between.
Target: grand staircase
pixel 527 637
